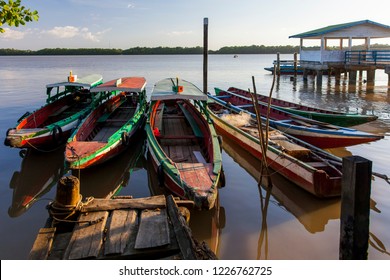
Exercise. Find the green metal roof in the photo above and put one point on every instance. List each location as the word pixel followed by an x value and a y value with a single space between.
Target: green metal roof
pixel 336 27
pixel 169 89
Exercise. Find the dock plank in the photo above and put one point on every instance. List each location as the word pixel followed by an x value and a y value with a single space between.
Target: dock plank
pixel 87 238
pixel 42 244
pixel 122 225
pixel 153 229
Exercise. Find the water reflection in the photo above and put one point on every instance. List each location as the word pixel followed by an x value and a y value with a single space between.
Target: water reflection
pixel 107 179
pixel 313 213
pixel 39 172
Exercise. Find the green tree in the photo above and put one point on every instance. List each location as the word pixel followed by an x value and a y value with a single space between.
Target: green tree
pixel 14 14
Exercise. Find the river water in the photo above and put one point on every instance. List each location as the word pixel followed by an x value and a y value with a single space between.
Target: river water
pixel 248 223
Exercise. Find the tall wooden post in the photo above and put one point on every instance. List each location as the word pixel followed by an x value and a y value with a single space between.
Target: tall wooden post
pixel 205 52
pixel 355 208
pixel 278 64
pixel 295 63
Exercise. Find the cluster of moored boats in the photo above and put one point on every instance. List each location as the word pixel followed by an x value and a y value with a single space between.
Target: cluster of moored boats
pixel 185 129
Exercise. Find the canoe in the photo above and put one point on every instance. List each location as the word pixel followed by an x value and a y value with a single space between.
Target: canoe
pixel 50 126
pixel 286 70
pixel 328 116
pixel 108 129
pixel 182 143
pixel 307 166
pixel 320 134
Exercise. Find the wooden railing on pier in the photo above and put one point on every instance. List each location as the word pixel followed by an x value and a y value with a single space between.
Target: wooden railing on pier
pixel 374 57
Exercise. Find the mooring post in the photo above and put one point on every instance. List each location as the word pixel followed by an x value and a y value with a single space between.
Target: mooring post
pixel 355 208
pixel 68 190
pixel 205 52
pixel 67 199
pixel 278 64
pixel 295 63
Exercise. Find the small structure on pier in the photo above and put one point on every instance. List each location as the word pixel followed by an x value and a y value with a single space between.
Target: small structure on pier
pixel 345 57
pixel 119 228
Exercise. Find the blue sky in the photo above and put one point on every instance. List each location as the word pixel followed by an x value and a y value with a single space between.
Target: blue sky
pixel 151 23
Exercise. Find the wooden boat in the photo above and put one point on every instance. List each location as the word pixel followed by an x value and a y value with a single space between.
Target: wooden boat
pixel 51 125
pixel 182 142
pixel 108 129
pixel 328 116
pixel 320 134
pixel 309 167
pixel 286 69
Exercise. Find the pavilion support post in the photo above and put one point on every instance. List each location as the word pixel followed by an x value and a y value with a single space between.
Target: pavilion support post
pixel 352 77
pixel 319 77
pixel 305 73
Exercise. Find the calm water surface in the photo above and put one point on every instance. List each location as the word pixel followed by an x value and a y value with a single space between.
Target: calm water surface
pixel 249 222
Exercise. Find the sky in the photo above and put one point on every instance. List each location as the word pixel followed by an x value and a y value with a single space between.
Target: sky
pixel 124 24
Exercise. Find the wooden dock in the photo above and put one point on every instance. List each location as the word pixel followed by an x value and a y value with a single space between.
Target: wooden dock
pixel 122 228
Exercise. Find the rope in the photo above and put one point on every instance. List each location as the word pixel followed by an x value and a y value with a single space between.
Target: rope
pixel 56 208
pixel 43 151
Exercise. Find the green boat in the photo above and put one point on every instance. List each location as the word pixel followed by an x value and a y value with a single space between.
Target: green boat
pixel 108 130
pixel 183 145
pixel 318 114
pixel 50 126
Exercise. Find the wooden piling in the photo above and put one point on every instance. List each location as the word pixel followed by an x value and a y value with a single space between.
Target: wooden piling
pixel 295 63
pixel 68 191
pixel 205 53
pixel 355 208
pixel 278 64
pixel 319 77
pixel 352 77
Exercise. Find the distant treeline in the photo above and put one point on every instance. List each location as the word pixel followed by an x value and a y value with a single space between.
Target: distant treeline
pixel 154 51
pixel 254 49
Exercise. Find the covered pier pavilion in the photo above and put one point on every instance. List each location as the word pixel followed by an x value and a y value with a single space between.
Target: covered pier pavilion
pixel 345 48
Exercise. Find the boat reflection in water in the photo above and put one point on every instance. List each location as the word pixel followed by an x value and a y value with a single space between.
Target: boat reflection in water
pixel 39 172
pixel 205 225
pixel 107 179
pixel 313 213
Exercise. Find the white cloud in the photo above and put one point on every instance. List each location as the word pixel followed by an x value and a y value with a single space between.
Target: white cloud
pixel 67 32
pixel 11 35
pixel 63 31
pixel 130 6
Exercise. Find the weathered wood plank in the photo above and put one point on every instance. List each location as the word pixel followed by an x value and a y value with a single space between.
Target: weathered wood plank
pixel 42 244
pixel 122 224
pixel 135 203
pixel 183 236
pixel 153 229
pixel 87 239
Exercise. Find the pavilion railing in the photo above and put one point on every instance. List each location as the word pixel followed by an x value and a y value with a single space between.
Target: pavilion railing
pixel 373 57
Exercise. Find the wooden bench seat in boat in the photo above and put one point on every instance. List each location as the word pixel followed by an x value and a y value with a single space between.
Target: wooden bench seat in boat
pixel 191 121
pixel 292 149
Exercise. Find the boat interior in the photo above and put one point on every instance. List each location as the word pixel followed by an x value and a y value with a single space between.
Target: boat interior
pixel 178 133
pixel 59 110
pixel 113 114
